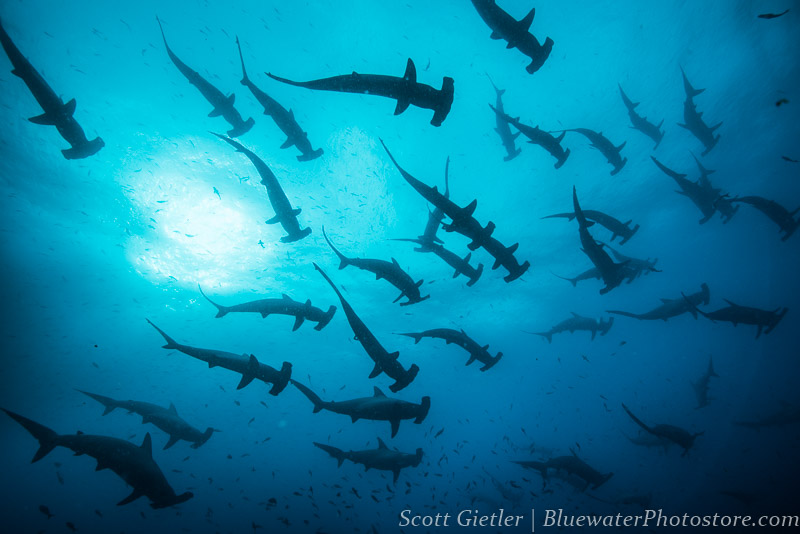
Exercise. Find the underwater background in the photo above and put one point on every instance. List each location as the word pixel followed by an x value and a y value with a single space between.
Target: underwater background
pixel 93 247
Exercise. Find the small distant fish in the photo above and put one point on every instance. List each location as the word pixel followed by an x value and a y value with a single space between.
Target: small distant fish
pixel 60 478
pixel 262 246
pixel 772 15
pixel 99 514
pixel 95 364
pixel 46 511
pixel 71 527
pixel 781 102
pixel 439 433
pixel 787 158
pixel 216 192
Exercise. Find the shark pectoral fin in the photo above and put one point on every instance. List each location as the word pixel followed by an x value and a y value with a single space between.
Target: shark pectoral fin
pixel 472 358
pixel 402 105
pixel 353 418
pixel 69 110
pixel 274 220
pixel 395 475
pixel 376 370
pixel 135 494
pixel 495 35
pixel 296 211
pixel 173 409
pixel 100 466
pixel 216 112
pixel 394 355
pixel 43 119
pixel 298 320
pixel 173 439
pixel 287 143
pixel 395 426
pixel 246 379
pixel 376 392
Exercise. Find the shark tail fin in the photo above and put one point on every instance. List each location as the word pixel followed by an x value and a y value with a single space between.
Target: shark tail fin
pixel 245 79
pixel 107 402
pixel 343 260
pixel 222 311
pixel 46 437
pixel 333 451
pixel 326 318
pixel 171 343
pixel 636 419
pixel 546 335
pixel 416 336
pixel 319 404
pixel 692 306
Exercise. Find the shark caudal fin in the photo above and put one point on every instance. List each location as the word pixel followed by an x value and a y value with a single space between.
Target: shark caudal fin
pixel 171 343
pixel 172 501
pixel 636 419
pixel 546 335
pixel 326 318
pixel 416 336
pixel 333 451
pixel 46 437
pixel 282 380
pixel 424 407
pixel 222 311
pixel 692 306
pixel 319 404
pixel 344 261
pixel 108 402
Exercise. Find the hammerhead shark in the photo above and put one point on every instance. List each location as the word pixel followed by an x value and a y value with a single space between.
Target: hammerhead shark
pixel 385 362
pixel 283 118
pixel 460 338
pixel 388 270
pixel 605 146
pixel 167 419
pixel 537 136
pixel 506 137
pixel 612 273
pixel 765 320
pixel 133 464
pixel 701 193
pixel 693 120
pixel 578 322
pixel 282 306
pixel 670 308
pixel 436 216
pixel 777 213
pixel 465 224
pixel 383 458
pixel 572 465
pixel 56 112
pixel 701 385
pixel 284 213
pixel 222 105
pixel 461 265
pixel 248 366
pixel 616 227
pixel 405 90
pixel 641 266
pixel 672 433
pixel 515 32
pixel 641 123
pixel 379 407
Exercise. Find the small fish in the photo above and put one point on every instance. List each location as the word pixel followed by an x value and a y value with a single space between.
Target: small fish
pixel 439 433
pixel 262 246
pixel 216 192
pixel 71 527
pixel 781 102
pixel 98 513
pixel 787 158
pixel 46 511
pixel 772 15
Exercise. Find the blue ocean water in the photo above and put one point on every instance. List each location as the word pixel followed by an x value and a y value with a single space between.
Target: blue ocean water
pixel 93 247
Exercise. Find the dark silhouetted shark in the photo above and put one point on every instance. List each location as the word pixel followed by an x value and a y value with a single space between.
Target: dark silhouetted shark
pixel 700 193
pixel 506 137
pixel 701 385
pixel 612 273
pixel 765 320
pixel 133 464
pixel 383 458
pixel 578 322
pixel 284 213
pixel 537 136
pixel 777 213
pixel 635 264
pixel 515 32
pixel 465 224
pixel 405 90
pixel 283 118
pixel 222 105
pixel 166 419
pixel 388 270
pixel 460 338
pixel 461 265
pixel 670 308
pixel 571 465
pixel 672 433
pixel 56 112
pixel 641 123
pixel 600 142
pixel 282 306
pixel 693 120
pixel 616 227
pixel 379 407
pixel 248 366
pixel 385 362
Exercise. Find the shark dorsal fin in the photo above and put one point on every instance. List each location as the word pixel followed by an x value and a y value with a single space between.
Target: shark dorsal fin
pixel 526 22
pixel 411 72
pixel 284 296
pixel 732 303
pixel 574 314
pixel 665 301
pixel 394 262
pixel 147 445
pixel 172 408
pixel 377 392
pixel 381 444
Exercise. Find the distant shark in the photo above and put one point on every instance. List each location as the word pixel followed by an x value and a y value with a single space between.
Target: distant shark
pixel 765 320
pixel 385 362
pixel 383 458
pixel 641 123
pixel 284 213
pixel 670 308
pixel 515 32
pixel 282 306
pixel 692 119
pixel 605 146
pixel 616 227
pixel 167 419
pixel 460 338
pixel 134 465
pixel 701 385
pixel 672 433
pixel 388 270
pixel 56 112
pixel 578 322
pixel 784 218
pixel 248 366
pixel 283 118
pixel 222 105
pixel 461 265
pixel 405 90
pixel 379 407
pixel 572 465
pixel 537 136
pixel 701 192
pixel 506 137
